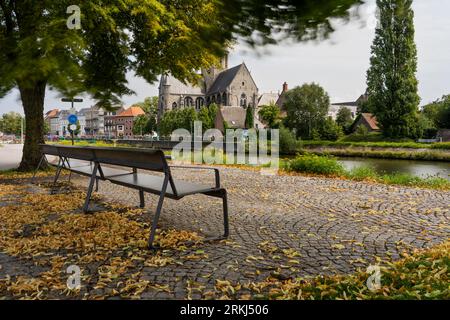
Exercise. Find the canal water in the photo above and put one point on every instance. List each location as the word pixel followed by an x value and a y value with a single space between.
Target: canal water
pixel 421 169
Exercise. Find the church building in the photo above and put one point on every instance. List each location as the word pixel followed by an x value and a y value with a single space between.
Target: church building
pixel 227 87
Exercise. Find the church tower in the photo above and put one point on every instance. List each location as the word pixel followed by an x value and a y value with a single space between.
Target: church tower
pixel 210 75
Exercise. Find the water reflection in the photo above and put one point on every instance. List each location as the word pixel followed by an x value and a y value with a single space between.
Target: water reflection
pixel 422 169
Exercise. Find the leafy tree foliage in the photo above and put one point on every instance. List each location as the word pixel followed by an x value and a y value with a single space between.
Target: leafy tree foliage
pixel 207 116
pixel 250 118
pixel 150 105
pixel 270 115
pixel 288 141
pixel 142 125
pixel 256 20
pixel 149 37
pixel 177 119
pixel 146 124
pixel 330 130
pixel 439 112
pixel 344 118
pixel 10 123
pixel 391 79
pixel 307 108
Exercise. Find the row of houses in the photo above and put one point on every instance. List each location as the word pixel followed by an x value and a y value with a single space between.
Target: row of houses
pixel 94 122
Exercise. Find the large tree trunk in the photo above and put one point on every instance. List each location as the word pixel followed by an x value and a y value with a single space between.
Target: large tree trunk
pixel 33 105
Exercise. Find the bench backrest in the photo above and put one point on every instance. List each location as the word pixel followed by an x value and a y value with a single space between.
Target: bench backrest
pixel 50 150
pixel 76 153
pixel 152 160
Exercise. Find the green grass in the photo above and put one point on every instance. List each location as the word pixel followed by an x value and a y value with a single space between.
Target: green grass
pixel 380 144
pixel 329 166
pixel 83 143
pixel 442 145
pixel 430 155
pixel 409 180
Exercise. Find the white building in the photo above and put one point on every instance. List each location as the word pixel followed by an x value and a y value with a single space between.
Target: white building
pixel 352 106
pixel 335 108
pixel 63 123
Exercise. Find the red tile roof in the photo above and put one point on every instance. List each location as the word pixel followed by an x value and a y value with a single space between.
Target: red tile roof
pixel 133 111
pixel 371 120
pixel 51 114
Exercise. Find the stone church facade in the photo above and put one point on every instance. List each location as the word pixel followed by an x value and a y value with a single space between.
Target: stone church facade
pixel 226 87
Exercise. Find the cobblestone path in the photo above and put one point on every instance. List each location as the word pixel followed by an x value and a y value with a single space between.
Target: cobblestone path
pixel 335 225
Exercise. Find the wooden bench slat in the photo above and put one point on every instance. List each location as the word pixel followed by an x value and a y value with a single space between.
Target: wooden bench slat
pixel 153 184
pixel 107 171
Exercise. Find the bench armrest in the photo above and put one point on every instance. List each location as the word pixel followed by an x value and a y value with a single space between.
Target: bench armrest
pixel 216 172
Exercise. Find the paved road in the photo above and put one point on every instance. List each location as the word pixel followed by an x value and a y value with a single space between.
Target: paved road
pixel 10 156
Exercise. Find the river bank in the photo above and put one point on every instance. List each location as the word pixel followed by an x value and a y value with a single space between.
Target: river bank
pixel 425 154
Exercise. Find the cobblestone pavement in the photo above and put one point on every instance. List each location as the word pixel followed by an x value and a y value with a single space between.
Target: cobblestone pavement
pixel 337 226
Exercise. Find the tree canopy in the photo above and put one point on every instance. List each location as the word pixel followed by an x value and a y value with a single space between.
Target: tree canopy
pixel 439 112
pixel 11 123
pixel 307 108
pixel 344 118
pixel 391 79
pixel 270 115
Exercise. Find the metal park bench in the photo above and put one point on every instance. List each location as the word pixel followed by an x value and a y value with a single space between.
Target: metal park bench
pixel 97 163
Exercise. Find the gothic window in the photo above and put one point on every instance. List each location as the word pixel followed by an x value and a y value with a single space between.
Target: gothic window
pixel 199 103
pixel 224 99
pixel 219 99
pixel 188 102
pixel 243 100
pixel 174 105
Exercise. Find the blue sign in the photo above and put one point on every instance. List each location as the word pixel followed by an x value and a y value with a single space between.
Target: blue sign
pixel 73 119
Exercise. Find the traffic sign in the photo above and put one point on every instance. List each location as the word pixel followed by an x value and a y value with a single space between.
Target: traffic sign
pixel 72 119
pixel 71 100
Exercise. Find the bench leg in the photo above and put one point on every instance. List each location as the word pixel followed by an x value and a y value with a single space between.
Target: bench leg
pixel 141 199
pixel 69 167
pixel 225 215
pixel 37 169
pixel 58 173
pixel 157 214
pixel 91 187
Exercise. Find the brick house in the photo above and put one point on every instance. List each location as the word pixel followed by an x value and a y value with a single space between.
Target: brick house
pixel 123 122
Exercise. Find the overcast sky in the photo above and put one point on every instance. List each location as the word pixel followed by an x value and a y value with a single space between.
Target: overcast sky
pixel 338 64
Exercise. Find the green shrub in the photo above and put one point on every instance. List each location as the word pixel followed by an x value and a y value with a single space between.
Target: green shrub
pixel 288 142
pixel 442 145
pixel 362 173
pixel 330 130
pixel 409 180
pixel 317 165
